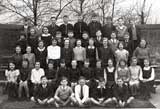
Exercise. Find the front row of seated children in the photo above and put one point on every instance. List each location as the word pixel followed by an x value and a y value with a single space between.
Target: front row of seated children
pixel 109 85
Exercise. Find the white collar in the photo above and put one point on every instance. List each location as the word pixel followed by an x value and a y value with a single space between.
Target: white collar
pixel 100 87
pixel 41 49
pixel 91 47
pixel 46 35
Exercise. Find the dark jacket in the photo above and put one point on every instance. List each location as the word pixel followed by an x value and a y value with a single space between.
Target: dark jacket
pixel 65 28
pixel 53 29
pixel 107 30
pixel 79 28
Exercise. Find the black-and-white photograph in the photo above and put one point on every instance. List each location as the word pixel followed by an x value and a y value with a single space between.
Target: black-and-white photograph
pixel 76 54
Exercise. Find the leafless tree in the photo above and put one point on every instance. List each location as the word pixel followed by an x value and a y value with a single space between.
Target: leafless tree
pixel 35 9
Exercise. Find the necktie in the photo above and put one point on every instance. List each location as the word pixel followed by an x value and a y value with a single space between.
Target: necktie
pixel 81 95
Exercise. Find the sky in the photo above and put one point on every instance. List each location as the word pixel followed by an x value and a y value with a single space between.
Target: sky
pixel 153 18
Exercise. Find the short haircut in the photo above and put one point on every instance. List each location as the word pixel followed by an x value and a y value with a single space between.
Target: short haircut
pixel 53 17
pixel 65 16
pixel 64 78
pixel 43 77
pixel 82 78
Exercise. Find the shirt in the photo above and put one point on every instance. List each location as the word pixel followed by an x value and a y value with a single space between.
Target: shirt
pixel 79 53
pixel 78 93
pixel 36 75
pixel 12 75
pixel 64 92
pixel 54 52
pixel 122 54
pixel 135 72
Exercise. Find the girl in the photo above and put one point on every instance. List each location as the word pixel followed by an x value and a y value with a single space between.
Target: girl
pixel 79 53
pixel 12 77
pixel 147 79
pixel 24 77
pixel 30 57
pixel 135 71
pixel 41 54
pixel 17 57
pixel 91 53
pixel 122 72
pixel 121 53
pixel 46 37
pixel 110 73
pixel 142 52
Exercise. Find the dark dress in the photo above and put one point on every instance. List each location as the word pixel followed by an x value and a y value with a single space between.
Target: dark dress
pixel 91 55
pixel 41 55
pixel 47 39
pixel 110 77
pixel 146 87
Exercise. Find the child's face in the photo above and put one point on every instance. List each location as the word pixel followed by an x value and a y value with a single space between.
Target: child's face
pixel 91 42
pixel 74 64
pixel 120 21
pixel 82 82
pixel 86 64
pixel 50 66
pixel 98 64
pixel 121 46
pixel 37 65
pixel 143 43
pixel 45 30
pixel 105 43
pixel 110 63
pixel 28 49
pixel 66 43
pixel 122 64
pixel 126 37
pixel 98 33
pixel 44 80
pixel 25 64
pixel 79 43
pixel 18 50
pixel 134 61
pixel 85 36
pixel 32 31
pixel 59 35
pixel 41 44
pixel 22 37
pixel 54 42
pixel 65 19
pixel 146 63
pixel 113 35
pixel 102 83
pixel 11 66
pixel 64 82
pixel 70 34
pixel 119 82
pixel 62 65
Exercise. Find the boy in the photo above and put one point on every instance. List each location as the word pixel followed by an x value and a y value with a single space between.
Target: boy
pixel 85 39
pixel 63 71
pixel 98 39
pixel 67 53
pixel 43 93
pixel 54 53
pixel 82 93
pixel 87 71
pixel 22 42
pixel 99 71
pixel 101 94
pixel 64 94
pixel 122 93
pixel 105 53
pixel 59 38
pixel 72 40
pixel 74 73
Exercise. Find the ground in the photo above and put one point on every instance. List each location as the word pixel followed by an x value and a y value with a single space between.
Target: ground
pixel 137 104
